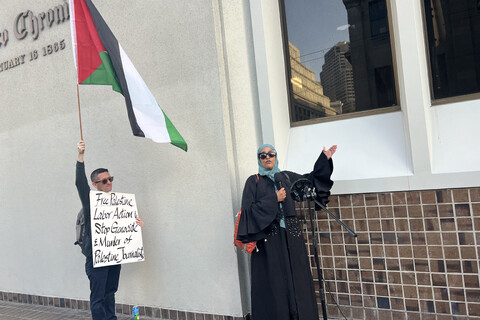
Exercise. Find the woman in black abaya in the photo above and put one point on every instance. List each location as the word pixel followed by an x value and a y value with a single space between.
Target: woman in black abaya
pixel 282 285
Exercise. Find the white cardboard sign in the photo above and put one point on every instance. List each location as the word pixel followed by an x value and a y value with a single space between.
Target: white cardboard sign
pixel 116 237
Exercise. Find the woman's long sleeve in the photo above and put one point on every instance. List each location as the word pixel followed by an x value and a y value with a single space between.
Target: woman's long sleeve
pixel 320 176
pixel 259 208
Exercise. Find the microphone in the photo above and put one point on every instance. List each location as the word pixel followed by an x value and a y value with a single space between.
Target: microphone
pixel 296 195
pixel 302 188
pixel 280 185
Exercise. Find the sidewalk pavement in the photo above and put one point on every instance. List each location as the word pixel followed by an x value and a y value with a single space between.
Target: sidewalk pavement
pixel 22 311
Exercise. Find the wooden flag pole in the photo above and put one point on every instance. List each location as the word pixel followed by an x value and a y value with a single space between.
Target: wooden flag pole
pixel 79 114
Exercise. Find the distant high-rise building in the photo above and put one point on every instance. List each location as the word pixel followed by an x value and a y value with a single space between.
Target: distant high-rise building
pixel 337 76
pixel 454 46
pixel 309 102
pixel 371 54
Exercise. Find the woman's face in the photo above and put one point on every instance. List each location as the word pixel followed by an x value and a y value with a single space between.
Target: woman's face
pixel 268 162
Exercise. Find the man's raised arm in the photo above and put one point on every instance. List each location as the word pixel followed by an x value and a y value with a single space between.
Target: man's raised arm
pixel 80 177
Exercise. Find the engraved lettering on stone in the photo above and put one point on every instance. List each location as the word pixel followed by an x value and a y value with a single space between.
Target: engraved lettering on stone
pixel 3 38
pixel 19 27
pixel 27 22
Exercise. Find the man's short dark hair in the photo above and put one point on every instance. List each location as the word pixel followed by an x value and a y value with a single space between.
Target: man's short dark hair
pixel 96 172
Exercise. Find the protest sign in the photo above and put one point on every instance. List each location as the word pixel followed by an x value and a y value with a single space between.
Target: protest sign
pixel 116 237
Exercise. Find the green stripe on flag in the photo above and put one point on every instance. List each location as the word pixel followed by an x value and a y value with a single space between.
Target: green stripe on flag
pixel 175 137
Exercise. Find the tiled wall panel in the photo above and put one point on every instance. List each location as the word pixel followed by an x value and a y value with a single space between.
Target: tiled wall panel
pixel 415 256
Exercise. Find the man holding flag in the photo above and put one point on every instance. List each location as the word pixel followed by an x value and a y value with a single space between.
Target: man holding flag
pixel 103 280
pixel 99 59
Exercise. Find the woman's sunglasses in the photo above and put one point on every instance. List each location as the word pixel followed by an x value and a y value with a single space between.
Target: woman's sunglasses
pixel 104 181
pixel 264 155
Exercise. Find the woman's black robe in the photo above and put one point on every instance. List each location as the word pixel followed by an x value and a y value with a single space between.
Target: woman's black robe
pixel 282 284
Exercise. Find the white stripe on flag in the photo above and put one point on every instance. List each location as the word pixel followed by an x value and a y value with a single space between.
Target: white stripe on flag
pixel 147 111
pixel 73 33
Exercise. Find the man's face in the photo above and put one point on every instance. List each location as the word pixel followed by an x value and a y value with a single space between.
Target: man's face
pixel 103 183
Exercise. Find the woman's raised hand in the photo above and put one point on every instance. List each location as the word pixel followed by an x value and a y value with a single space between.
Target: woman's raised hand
pixel 329 153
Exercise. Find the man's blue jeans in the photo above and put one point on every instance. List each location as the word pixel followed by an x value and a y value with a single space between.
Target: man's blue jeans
pixel 103 285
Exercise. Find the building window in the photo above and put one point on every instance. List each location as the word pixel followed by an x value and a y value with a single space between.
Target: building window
pixel 453 29
pixel 339 57
pixel 378 18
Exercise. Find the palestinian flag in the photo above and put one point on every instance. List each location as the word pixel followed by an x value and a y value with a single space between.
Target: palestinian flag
pixel 100 59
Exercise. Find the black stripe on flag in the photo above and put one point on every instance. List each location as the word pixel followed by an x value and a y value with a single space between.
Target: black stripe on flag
pixel 111 45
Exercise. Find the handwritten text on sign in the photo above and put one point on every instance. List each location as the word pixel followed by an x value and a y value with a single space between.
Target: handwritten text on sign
pixel 116 237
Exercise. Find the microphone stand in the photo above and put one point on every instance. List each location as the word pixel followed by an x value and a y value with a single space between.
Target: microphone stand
pixel 302 190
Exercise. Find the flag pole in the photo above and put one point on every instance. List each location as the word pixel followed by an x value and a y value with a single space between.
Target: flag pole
pixel 79 113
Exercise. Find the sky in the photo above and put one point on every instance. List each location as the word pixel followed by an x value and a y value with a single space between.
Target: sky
pixel 314 26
